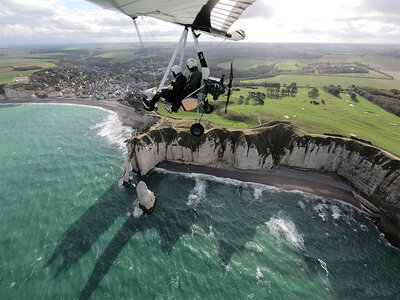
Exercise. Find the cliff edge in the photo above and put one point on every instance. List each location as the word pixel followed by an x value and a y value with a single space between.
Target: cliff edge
pixel 372 174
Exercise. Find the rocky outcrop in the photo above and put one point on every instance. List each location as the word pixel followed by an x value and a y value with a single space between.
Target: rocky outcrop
pixel 147 199
pixel 373 175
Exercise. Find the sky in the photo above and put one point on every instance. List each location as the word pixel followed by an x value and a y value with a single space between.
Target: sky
pixel 270 21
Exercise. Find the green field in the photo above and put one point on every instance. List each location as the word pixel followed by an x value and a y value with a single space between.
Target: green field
pixel 13 58
pixel 7 77
pixel 340 115
pixel 119 56
pixel 291 65
pixel 322 80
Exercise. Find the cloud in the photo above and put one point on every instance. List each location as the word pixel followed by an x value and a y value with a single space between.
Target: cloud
pixel 74 21
pixel 260 9
pixel 71 21
pixel 391 7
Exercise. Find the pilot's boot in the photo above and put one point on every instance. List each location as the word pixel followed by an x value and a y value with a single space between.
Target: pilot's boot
pixel 149 105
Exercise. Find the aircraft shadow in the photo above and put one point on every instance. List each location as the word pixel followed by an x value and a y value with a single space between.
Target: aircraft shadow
pixel 86 230
pixel 172 219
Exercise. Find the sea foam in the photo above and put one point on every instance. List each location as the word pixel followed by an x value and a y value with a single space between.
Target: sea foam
pixel 229 181
pixel 113 130
pixel 198 193
pixel 280 227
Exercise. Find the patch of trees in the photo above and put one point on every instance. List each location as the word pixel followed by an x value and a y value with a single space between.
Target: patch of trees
pixel 272 84
pixel 332 89
pixel 290 90
pixel 387 99
pixel 313 93
pixel 257 72
pixel 259 97
pixel 26 68
pixel 353 97
pixel 342 69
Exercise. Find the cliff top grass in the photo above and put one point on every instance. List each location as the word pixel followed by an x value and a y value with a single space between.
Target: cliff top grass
pixel 340 115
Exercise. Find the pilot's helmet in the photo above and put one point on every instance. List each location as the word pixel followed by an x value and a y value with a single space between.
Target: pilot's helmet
pixel 191 63
pixel 176 70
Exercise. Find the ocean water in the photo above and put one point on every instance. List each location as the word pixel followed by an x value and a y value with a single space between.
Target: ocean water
pixel 70 230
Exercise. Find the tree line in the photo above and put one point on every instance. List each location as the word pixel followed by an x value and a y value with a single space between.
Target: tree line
pixel 387 99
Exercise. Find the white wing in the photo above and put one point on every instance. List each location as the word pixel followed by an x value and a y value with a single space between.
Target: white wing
pixel 211 16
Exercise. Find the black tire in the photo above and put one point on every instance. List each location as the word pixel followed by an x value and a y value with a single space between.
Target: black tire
pixel 209 109
pixel 197 129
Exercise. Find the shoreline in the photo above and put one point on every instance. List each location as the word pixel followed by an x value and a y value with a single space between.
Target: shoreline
pixel 127 115
pixel 283 178
pixel 287 179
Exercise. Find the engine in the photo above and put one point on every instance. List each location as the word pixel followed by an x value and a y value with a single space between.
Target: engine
pixel 215 87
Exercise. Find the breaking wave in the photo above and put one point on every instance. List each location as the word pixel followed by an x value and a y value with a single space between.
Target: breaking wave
pixel 279 227
pixel 198 193
pixel 113 130
pixel 258 187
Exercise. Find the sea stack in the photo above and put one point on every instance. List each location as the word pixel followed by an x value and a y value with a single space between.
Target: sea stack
pixel 147 199
pixel 126 177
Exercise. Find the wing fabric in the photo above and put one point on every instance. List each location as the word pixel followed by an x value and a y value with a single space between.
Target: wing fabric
pixel 212 16
pixel 226 12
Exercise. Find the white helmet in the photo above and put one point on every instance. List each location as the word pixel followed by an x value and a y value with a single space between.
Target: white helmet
pixel 176 70
pixel 191 63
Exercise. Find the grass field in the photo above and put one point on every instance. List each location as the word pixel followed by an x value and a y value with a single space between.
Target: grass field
pixel 291 65
pixel 13 58
pixel 340 115
pixel 7 77
pixel 321 80
pixel 119 56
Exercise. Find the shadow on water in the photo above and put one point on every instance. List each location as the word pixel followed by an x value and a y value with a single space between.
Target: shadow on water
pixel 172 219
pixel 233 220
pixel 86 230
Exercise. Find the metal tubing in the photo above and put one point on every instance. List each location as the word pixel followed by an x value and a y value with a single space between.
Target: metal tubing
pixel 204 68
pixel 138 33
pixel 183 48
pixel 178 46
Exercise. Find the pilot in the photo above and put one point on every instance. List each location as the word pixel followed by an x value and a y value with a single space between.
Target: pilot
pixel 173 96
pixel 194 77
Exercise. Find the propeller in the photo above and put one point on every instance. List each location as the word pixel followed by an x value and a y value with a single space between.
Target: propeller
pixel 229 87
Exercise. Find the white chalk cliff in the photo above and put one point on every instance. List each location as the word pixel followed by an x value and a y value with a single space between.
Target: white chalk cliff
pixel 372 174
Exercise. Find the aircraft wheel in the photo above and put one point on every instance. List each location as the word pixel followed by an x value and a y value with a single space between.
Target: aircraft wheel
pixel 209 109
pixel 197 129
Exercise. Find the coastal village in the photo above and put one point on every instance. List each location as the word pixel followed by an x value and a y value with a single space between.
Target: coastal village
pixel 94 81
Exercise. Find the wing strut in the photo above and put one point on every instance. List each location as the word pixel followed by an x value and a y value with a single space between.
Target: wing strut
pixel 180 46
pixel 138 33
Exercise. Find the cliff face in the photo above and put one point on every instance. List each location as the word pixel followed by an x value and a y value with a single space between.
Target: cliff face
pixel 371 173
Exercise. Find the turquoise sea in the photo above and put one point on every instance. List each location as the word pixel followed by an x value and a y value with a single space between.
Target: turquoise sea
pixel 70 230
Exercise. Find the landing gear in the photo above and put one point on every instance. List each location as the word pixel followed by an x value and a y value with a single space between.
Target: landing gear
pixel 197 129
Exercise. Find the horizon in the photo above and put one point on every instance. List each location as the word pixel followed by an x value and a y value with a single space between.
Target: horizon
pixel 173 43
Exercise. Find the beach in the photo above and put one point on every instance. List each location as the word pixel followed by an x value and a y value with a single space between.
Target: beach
pixel 325 185
pixel 329 186
pixel 128 115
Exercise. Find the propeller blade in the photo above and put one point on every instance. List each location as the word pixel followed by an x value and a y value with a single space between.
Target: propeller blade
pixel 229 88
